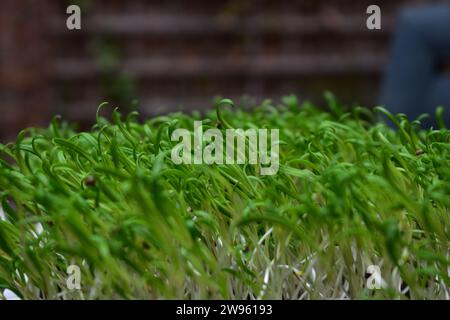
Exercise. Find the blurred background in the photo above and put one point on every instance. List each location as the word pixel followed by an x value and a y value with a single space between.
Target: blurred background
pixel 162 56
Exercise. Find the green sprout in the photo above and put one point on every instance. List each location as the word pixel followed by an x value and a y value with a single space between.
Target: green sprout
pixel 350 193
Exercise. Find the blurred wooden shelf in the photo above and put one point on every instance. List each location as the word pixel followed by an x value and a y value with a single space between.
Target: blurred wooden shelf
pixel 176 25
pixel 160 67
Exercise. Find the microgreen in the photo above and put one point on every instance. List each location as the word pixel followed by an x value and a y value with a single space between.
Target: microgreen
pixel 350 193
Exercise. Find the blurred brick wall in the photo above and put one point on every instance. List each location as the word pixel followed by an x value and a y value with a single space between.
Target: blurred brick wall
pixel 180 54
pixel 24 63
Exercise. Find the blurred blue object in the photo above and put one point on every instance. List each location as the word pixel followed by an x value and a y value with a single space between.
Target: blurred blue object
pixel 415 82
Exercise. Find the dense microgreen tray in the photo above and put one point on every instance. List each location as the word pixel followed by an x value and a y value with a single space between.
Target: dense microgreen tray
pixel 351 192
